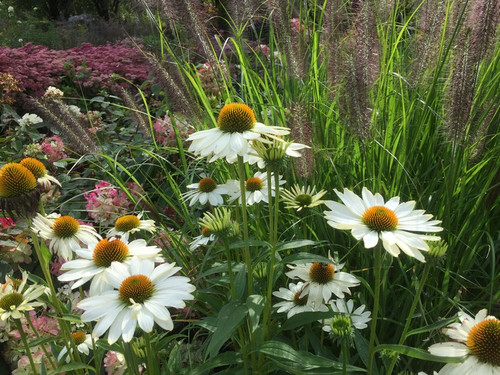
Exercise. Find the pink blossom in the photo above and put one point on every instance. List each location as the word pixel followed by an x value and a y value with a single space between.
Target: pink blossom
pixel 114 363
pixel 55 266
pixel 53 147
pixel 165 133
pixel 106 203
pixel 7 222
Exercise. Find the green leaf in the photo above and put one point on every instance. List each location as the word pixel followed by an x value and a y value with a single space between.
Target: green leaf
pixel 255 304
pixel 295 244
pixel 418 353
pixel 228 319
pixel 240 283
pixel 431 327
pixel 72 367
pixel 287 357
pixel 249 243
pixel 223 359
pixel 299 320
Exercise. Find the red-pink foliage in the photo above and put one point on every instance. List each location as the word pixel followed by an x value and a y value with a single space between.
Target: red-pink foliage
pixel 37 67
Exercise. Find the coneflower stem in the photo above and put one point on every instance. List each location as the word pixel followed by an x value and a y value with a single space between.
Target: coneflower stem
pixel 26 345
pixel 416 298
pixel 230 270
pixel 152 368
pixel 47 355
pixel 377 271
pixel 130 358
pixel 246 249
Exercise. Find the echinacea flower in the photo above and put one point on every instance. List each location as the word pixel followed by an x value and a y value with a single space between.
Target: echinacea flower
pixel 370 218
pixel 219 223
pixel 140 296
pixel 236 126
pixel 294 302
pixel 270 152
pixel 127 224
pixel 16 297
pixel 477 340
pixel 204 238
pixel 256 188
pixel 323 280
pixel 65 233
pixel 98 258
pixel 206 190
pixel 40 172
pixel 83 342
pixel 19 190
pixel 358 318
pixel 300 197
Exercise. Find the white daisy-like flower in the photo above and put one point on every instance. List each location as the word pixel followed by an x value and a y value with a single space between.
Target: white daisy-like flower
pixel 16 297
pixel 256 188
pixel 323 280
pixel 204 238
pixel 40 172
pixel 97 260
pixel 140 296
pixel 205 191
pixel 294 302
pixel 65 233
pixel 300 197
pixel 125 225
pixel 477 340
pixel 236 126
pixel 370 218
pixel 358 317
pixel 261 153
pixel 83 342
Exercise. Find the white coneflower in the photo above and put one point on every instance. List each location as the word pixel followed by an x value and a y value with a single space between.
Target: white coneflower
pixel 323 280
pixel 16 297
pixel 477 340
pixel 140 296
pixel 97 260
pixel 256 188
pixel 83 342
pixel 40 172
pixel 357 317
pixel 370 218
pixel 65 233
pixel 294 302
pixel 206 190
pixel 204 238
pixel 236 126
pixel 300 197
pixel 127 224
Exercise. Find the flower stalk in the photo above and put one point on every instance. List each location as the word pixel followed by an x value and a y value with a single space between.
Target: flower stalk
pixel 26 345
pixel 373 329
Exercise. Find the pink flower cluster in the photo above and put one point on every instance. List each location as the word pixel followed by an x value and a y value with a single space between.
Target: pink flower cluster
pixel 45 326
pixel 37 67
pixel 53 147
pixel 106 203
pixel 114 363
pixel 165 133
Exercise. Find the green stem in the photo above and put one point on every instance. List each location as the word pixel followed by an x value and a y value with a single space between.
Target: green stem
pixel 65 329
pixel 230 270
pixel 373 331
pixel 25 343
pixel 246 249
pixel 345 355
pixel 416 298
pixel 152 363
pixel 47 355
pixel 130 359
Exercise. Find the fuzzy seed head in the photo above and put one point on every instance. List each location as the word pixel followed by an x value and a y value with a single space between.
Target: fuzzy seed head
pixel 483 341
pixel 127 223
pixel 254 184
pixel 16 180
pixel 35 166
pixel 207 185
pixel 136 287
pixel 106 252
pixel 65 227
pixel 380 218
pixel 236 118
pixel 9 300
pixel 321 273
